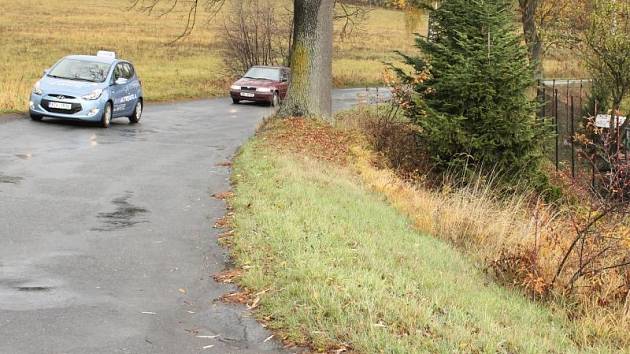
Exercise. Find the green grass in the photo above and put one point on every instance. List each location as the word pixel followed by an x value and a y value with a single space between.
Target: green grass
pixel 343 266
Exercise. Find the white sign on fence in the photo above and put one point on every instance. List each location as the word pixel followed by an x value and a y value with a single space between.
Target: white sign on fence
pixel 603 120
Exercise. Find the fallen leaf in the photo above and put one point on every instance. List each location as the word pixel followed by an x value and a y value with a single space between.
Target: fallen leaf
pixel 225 164
pixel 223 195
pixel 228 276
pixel 254 304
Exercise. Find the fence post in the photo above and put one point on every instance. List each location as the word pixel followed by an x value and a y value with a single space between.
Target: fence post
pixel 572 139
pixel 567 107
pixel 544 103
pixel 593 159
pixel 377 99
pixel 581 107
pixel 557 129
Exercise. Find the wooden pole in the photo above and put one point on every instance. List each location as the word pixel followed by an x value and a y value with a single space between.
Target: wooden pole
pixel 572 139
pixel 557 130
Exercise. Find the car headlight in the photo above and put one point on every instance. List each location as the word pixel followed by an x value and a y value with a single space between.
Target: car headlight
pixel 94 95
pixel 37 89
pixel 263 89
pixel 235 87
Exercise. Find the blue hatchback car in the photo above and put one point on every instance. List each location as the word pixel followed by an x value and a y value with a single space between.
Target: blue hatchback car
pixel 88 88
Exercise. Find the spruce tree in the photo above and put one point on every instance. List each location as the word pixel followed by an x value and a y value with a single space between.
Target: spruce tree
pixel 473 107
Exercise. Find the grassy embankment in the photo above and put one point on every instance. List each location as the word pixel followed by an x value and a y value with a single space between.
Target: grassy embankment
pixel 34 34
pixel 331 264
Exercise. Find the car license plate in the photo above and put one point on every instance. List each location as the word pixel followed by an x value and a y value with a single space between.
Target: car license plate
pixel 247 94
pixel 59 105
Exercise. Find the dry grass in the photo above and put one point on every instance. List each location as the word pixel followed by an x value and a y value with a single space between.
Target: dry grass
pixel 37 33
pixel 564 63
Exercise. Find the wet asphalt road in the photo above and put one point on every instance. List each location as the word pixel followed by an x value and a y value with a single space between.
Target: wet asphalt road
pixel 107 242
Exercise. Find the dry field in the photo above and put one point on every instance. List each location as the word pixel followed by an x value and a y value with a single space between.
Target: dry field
pixel 36 33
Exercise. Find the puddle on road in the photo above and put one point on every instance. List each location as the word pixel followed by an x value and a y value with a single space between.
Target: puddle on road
pixel 24 156
pixel 10 179
pixel 33 288
pixel 126 215
pixel 136 133
pixel 22 285
pixel 25 287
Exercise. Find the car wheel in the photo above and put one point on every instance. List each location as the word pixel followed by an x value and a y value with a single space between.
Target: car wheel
pixel 106 118
pixel 236 100
pixel 137 113
pixel 36 117
pixel 275 100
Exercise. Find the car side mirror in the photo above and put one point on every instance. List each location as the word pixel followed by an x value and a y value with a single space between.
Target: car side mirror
pixel 46 71
pixel 121 81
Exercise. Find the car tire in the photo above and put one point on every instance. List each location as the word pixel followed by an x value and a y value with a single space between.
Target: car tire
pixel 137 113
pixel 236 100
pixel 36 117
pixel 275 100
pixel 106 117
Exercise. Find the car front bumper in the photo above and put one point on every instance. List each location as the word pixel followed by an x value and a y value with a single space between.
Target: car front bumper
pixel 258 96
pixel 81 109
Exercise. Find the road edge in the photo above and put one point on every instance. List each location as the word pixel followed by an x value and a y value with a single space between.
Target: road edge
pixel 10 117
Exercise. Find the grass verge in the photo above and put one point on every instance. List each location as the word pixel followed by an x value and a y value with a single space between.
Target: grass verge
pixel 336 267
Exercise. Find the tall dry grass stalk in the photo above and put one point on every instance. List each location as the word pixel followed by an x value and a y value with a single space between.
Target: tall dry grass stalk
pixel 472 216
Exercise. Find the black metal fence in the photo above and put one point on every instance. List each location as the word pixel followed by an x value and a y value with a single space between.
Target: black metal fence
pixel 564 105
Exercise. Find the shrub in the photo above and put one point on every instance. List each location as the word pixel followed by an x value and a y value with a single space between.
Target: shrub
pixel 470 86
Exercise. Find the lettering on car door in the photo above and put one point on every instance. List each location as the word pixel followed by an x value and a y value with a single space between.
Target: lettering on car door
pixel 131 96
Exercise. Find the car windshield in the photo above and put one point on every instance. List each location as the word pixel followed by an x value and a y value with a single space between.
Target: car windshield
pixel 263 73
pixel 81 70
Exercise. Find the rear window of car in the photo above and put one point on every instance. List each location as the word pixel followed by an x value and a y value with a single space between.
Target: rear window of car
pixel 80 70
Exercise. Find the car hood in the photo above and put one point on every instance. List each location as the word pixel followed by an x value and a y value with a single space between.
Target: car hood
pixel 256 82
pixel 51 85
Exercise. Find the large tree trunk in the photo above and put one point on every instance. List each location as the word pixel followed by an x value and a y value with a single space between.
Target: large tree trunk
pixel 310 88
pixel 532 38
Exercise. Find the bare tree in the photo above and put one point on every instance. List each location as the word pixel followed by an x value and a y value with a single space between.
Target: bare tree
pixel 311 49
pixel 257 32
pixel 192 7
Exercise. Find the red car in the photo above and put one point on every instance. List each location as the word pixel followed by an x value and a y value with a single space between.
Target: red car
pixel 262 84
